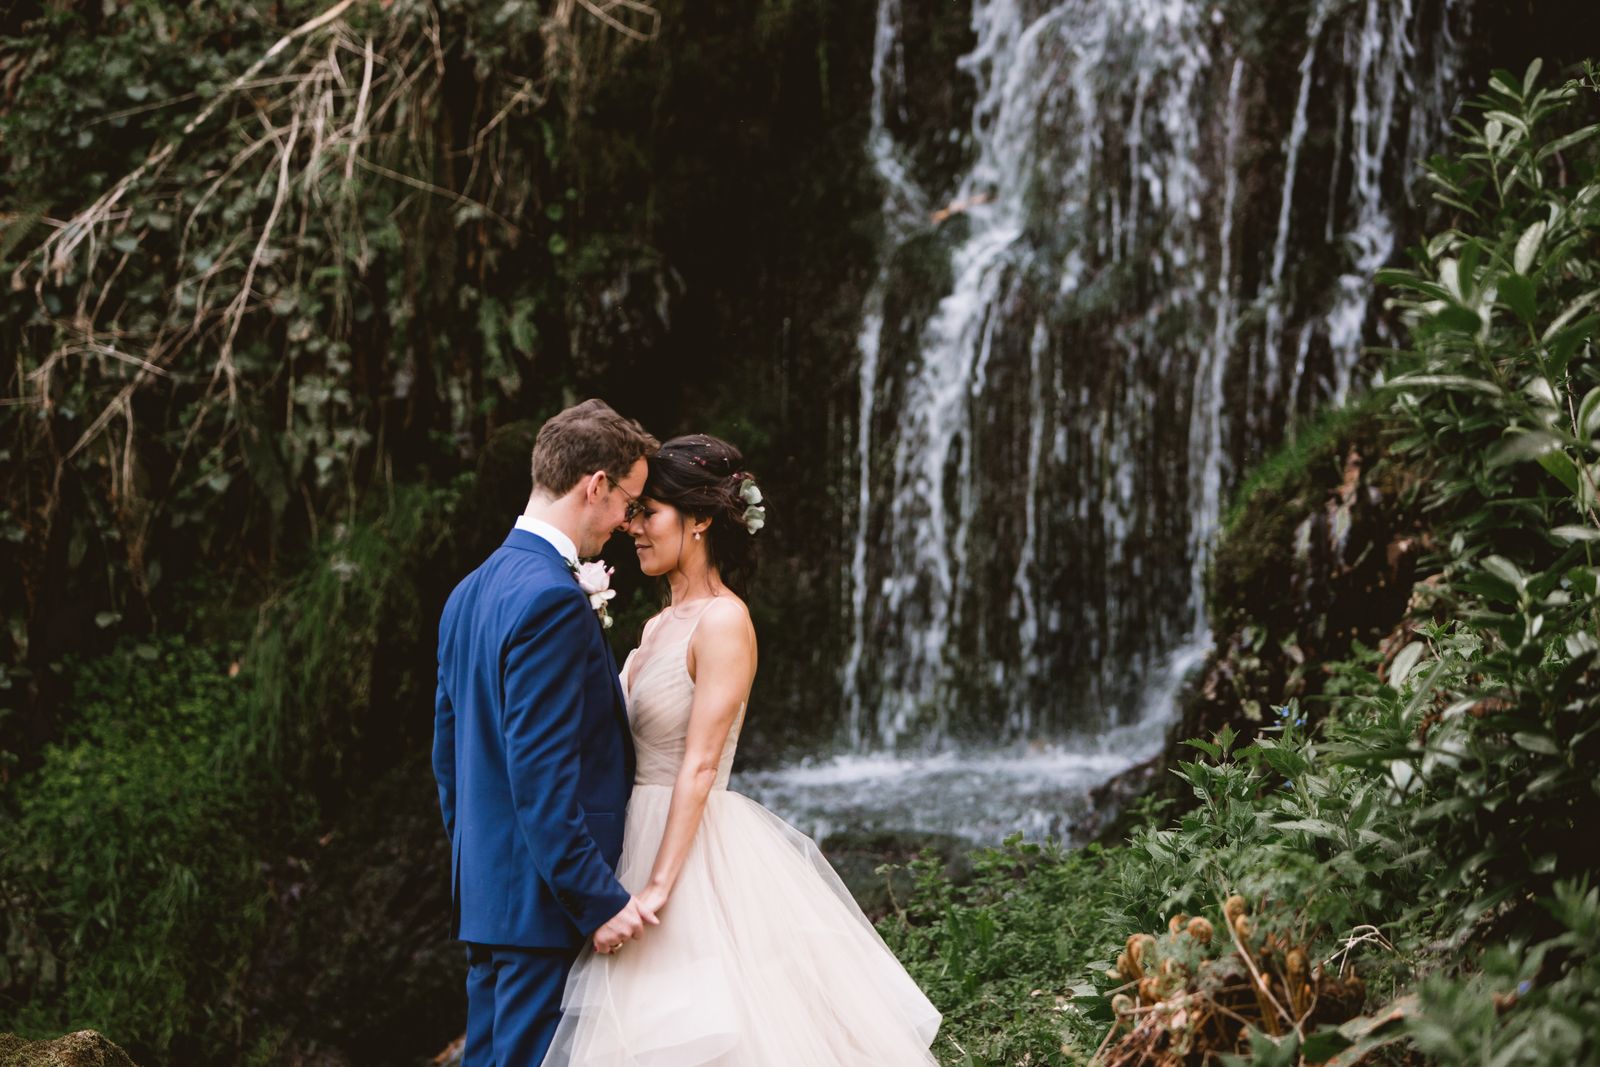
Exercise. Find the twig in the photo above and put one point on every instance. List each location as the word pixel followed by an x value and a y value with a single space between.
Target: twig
pixel 438 190
pixel 61 244
pixel 1371 934
pixel 1116 1024
pixel 237 308
pixel 603 13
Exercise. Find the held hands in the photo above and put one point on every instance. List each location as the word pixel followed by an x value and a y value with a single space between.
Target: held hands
pixel 624 926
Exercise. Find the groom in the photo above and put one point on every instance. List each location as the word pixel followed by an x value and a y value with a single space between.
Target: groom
pixel 531 746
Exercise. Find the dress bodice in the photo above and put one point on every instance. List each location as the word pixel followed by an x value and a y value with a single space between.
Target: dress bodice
pixel 660 696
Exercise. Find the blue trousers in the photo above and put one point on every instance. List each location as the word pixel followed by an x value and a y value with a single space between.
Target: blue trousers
pixel 513 1003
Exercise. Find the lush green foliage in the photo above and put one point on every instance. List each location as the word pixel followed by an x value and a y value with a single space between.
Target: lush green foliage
pixel 1434 828
pixel 276 245
pixel 133 891
pixel 138 890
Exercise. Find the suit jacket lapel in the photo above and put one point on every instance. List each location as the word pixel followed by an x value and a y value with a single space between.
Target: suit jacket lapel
pixel 619 704
pixel 532 542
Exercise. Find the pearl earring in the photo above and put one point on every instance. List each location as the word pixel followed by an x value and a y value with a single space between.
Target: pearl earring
pixel 697 535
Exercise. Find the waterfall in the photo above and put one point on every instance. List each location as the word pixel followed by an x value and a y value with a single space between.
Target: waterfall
pixel 1042 452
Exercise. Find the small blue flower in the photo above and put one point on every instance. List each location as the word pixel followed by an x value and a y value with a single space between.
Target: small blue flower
pixel 1523 987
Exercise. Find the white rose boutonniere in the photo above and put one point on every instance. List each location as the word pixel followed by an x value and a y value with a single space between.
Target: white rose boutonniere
pixel 594 578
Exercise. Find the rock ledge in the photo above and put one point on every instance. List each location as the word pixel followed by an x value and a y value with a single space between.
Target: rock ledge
pixel 82 1049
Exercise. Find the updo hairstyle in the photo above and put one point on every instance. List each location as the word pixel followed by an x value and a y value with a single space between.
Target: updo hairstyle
pixel 702 477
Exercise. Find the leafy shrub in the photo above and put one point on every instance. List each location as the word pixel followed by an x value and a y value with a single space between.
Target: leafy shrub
pixel 1502 397
pixel 1433 829
pixel 133 892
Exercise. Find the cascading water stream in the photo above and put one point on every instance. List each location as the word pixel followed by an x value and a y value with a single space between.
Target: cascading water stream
pixel 1137 305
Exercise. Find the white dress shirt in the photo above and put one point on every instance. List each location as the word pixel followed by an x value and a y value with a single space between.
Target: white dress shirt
pixel 539 528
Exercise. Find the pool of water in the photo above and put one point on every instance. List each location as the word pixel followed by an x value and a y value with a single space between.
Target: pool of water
pixel 1039 790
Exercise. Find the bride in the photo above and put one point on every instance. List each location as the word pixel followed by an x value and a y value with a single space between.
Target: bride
pixel 761 958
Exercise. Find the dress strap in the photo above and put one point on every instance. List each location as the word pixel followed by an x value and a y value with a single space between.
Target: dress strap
pixel 697 616
pixel 688 635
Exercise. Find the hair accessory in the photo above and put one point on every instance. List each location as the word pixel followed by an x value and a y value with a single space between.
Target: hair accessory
pixel 755 516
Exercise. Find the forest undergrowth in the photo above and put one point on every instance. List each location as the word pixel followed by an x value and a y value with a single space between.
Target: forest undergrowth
pixel 1403 869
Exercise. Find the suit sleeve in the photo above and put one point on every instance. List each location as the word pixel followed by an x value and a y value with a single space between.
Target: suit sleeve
pixel 543 710
pixel 444 744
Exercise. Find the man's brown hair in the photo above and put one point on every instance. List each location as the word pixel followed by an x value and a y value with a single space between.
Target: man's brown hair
pixel 585 438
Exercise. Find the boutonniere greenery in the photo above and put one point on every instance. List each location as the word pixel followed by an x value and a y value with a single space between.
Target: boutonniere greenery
pixel 594 578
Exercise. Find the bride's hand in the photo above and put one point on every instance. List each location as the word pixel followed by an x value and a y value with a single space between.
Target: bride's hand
pixel 653 897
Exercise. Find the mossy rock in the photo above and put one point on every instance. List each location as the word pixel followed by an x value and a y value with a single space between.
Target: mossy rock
pixel 1319 552
pixel 82 1049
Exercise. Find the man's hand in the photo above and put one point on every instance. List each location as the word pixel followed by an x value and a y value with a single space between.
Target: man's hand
pixel 624 926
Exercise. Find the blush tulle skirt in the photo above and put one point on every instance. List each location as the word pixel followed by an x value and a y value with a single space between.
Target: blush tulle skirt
pixel 762 959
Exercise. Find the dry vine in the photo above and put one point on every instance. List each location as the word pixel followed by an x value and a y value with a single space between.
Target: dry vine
pixel 351 89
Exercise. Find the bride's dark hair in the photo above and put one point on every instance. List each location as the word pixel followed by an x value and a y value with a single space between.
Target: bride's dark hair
pixel 702 477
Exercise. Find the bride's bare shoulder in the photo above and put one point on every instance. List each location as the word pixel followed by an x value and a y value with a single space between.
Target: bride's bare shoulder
pixel 727 618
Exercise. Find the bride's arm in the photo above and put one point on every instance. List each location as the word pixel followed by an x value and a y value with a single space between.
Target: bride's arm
pixel 724 649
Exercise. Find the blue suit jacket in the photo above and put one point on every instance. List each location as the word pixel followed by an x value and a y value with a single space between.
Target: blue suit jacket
pixel 532 753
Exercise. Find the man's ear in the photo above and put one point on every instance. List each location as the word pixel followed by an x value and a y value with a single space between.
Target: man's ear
pixel 594 486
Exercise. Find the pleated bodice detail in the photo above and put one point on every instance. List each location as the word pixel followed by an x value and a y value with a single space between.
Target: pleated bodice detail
pixel 660 696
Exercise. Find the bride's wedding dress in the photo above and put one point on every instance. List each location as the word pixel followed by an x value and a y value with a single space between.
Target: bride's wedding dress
pixel 762 959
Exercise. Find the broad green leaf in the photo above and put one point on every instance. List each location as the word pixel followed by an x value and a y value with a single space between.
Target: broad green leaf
pixel 1442 381
pixel 1506 117
pixel 1532 75
pixel 1506 571
pixel 1561 144
pixel 1570 312
pixel 1450 278
pixel 1502 81
pixel 1404 279
pixel 1589 414
pixel 1403 663
pixel 1528 247
pixel 1523 446
pixel 1517 292
pixel 1560 464
pixel 1540 743
pixel 1459 318
pixel 1576 533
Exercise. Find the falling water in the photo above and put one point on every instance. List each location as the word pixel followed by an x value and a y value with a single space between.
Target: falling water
pixel 1034 520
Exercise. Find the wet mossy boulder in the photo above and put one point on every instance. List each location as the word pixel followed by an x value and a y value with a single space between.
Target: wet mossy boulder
pixel 82 1049
pixel 1320 550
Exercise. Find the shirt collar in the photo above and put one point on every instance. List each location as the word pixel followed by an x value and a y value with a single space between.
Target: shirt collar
pixel 539 528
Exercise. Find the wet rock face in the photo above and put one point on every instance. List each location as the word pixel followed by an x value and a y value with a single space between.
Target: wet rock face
pixel 82 1049
pixel 1159 243
pixel 1323 551
pixel 1321 556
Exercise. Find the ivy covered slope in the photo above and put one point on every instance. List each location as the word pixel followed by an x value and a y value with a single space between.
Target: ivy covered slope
pixel 1403 869
pixel 265 261
pixel 289 285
